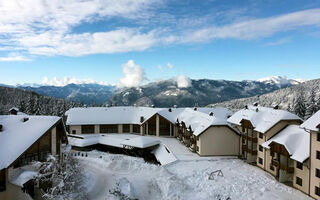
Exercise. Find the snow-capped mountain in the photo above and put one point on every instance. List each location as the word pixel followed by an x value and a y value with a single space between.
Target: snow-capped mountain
pixel 199 92
pixel 281 81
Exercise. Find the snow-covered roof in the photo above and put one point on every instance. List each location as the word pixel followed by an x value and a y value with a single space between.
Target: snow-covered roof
pixel 21 176
pixel 109 115
pixel 295 139
pixel 114 140
pixel 262 118
pixel 14 108
pixel 17 136
pixel 312 123
pixel 199 119
pixel 141 142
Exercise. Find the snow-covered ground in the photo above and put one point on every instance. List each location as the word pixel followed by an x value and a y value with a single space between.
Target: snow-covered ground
pixel 112 176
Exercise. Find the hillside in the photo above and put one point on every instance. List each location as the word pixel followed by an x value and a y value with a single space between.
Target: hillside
pixel 285 98
pixel 200 92
pixel 89 94
pixel 32 103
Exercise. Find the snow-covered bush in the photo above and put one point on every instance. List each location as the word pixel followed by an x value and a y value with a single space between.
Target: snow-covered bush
pixel 61 178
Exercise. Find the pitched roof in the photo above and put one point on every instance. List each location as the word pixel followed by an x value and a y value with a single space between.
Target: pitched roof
pixel 109 115
pixel 295 139
pixel 199 119
pixel 262 118
pixel 313 122
pixel 17 136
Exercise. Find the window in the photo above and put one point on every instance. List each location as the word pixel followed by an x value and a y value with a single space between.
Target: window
pixel 260 161
pixel 318 173
pixel 126 128
pixel 136 128
pixel 108 128
pixel 298 181
pixel 299 165
pixel 260 148
pixel 2 180
pixel 271 167
pixel 318 155
pixel 260 135
pixel 317 191
pixel 318 137
pixel 86 129
pixel 74 132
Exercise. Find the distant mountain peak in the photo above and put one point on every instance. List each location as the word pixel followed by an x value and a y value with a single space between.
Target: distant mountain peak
pixel 281 81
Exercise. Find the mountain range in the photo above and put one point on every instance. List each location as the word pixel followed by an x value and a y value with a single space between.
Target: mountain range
pixel 163 93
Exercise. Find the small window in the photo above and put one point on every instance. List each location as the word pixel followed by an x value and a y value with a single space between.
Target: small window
pixel 260 161
pixel 317 191
pixel 87 129
pixel 126 128
pixel 260 148
pixel 318 137
pixel 318 155
pixel 271 167
pixel 260 135
pixel 298 181
pixel 317 173
pixel 299 165
pixel 2 180
pixel 74 132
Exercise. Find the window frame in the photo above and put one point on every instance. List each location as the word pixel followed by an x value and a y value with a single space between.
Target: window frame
pixel 299 181
pixel 299 165
pixel 260 159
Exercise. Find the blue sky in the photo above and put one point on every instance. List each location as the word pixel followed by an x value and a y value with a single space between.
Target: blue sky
pixel 131 42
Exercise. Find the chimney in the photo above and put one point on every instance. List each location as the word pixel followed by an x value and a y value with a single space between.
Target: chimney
pixel 141 119
pixel 246 107
pixel 170 110
pixel 175 106
pixel 211 114
pixel 255 104
pixel 257 110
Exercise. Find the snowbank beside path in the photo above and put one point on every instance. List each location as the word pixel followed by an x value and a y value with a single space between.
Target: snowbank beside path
pixel 130 176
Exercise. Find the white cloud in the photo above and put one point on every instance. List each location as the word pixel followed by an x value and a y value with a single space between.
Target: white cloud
pixel 170 66
pixel 256 28
pixel 183 81
pixel 160 67
pixel 14 57
pixel 134 75
pixel 66 80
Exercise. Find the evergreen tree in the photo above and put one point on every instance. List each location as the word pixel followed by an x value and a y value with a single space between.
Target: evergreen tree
pixel 299 106
pixel 311 106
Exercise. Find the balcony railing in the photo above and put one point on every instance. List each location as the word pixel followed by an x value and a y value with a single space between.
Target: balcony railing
pixel 252 139
pixel 246 149
pixel 276 164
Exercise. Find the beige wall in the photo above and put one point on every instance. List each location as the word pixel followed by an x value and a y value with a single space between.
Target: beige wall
pixel 266 136
pixel 13 192
pixel 120 128
pixel 268 159
pixel 315 163
pixel 218 140
pixel 77 128
pixel 304 175
pixel 97 128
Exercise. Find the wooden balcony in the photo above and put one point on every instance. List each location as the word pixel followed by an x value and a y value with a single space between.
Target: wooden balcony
pixel 252 139
pixel 276 164
pixel 246 149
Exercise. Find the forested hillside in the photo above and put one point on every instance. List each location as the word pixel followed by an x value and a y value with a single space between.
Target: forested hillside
pixel 32 103
pixel 302 99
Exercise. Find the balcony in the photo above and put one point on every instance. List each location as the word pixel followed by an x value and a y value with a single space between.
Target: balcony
pixel 276 164
pixel 249 138
pixel 246 149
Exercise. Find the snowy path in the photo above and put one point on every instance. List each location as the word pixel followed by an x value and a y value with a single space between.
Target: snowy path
pixel 182 180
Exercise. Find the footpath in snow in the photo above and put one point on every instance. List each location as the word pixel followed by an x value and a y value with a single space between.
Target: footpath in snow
pixel 117 176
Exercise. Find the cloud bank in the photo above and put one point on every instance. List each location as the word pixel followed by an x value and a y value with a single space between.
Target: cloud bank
pixel 66 80
pixel 183 81
pixel 134 75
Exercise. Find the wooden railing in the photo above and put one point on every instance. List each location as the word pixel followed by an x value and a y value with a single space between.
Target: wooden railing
pixel 253 139
pixel 246 149
pixel 276 163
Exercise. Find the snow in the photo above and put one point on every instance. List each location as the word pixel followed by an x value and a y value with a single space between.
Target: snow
pixel 183 179
pixel 262 118
pixel 141 142
pixel 21 176
pixel 312 123
pixel 17 136
pixel 109 115
pixel 280 81
pixel 295 139
pixel 164 154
